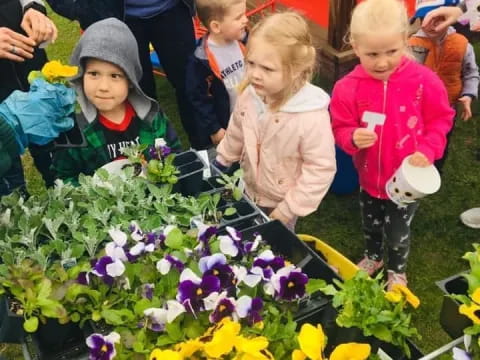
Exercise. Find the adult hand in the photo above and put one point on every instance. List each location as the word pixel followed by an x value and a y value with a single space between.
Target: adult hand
pixel 363 138
pixel 38 26
pixel 218 136
pixel 15 46
pixel 276 214
pixel 466 103
pixel 419 159
pixel 442 17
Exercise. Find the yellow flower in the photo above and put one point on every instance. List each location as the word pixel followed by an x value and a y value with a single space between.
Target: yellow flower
pixel 312 341
pixel 476 295
pixel 411 298
pixel 472 311
pixel 298 355
pixel 252 349
pixel 351 351
pixel 223 338
pixel 158 354
pixel 188 348
pixel 54 70
pixel 393 296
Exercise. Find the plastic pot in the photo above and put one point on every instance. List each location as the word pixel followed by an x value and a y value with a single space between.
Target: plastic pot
pixel 451 320
pixel 191 172
pixel 11 325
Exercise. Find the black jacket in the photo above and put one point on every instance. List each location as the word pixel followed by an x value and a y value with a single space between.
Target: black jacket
pixel 86 12
pixel 13 75
pixel 207 94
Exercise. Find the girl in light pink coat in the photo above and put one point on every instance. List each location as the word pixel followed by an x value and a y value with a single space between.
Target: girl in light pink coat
pixel 414 105
pixel 280 128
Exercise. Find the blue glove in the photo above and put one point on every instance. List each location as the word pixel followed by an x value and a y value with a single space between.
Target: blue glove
pixel 40 115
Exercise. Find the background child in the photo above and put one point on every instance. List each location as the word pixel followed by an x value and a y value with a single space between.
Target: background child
pixel 417 118
pixel 118 112
pixel 452 58
pixel 280 129
pixel 216 68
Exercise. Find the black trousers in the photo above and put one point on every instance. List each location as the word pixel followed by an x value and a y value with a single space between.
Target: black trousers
pixel 386 224
pixel 172 36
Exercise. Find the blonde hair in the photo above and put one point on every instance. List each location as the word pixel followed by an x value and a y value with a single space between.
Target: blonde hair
pixel 288 32
pixel 209 10
pixel 375 16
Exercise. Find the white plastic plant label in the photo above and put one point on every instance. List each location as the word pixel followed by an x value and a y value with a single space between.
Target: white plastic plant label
pixel 204 156
pixel 373 119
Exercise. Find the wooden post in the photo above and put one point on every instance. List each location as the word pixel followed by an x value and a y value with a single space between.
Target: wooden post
pixel 337 58
pixel 338 22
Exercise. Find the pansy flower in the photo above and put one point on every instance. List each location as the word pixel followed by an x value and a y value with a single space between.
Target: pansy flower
pixel 157 318
pixel 223 338
pixel 216 265
pixel 248 308
pixel 158 354
pixel 289 283
pixel 205 233
pixel 164 265
pixel 102 347
pixel 269 263
pixel 231 244
pixel 107 269
pixel 252 246
pixel 193 289
pixel 147 291
pixel 116 248
pixel 136 232
pixel 253 348
pixel 224 307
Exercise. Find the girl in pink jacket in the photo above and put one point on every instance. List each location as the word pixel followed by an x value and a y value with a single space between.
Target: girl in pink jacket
pixel 414 104
pixel 280 127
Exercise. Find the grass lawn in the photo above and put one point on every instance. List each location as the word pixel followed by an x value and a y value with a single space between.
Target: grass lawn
pixel 439 238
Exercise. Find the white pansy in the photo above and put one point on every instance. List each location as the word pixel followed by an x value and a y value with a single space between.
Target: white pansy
pixel 116 268
pixel 227 246
pixel 164 266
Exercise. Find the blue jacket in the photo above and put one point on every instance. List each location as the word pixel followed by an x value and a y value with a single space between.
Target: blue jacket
pixel 86 12
pixel 207 93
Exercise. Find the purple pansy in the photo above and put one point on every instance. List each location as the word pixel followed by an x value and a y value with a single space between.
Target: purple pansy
pixel 193 289
pixel 205 233
pixel 156 318
pixel 289 283
pixel 102 347
pixel 269 263
pixel 248 308
pixel 164 265
pixel 224 307
pixel 136 232
pixel 216 265
pixel 147 291
pixel 116 248
pixel 107 269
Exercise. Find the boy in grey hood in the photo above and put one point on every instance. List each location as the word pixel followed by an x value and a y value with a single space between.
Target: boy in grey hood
pixel 114 109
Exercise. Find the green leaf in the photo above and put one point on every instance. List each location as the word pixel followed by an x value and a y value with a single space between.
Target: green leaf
pixel 229 211
pixel 117 317
pixel 174 239
pixel 237 193
pixel 314 285
pixel 174 331
pixel 31 324
pixel 164 340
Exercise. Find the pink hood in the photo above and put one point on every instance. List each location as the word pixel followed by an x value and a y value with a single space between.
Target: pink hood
pixel 418 117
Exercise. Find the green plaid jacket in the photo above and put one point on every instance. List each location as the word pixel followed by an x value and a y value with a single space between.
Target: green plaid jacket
pixel 70 163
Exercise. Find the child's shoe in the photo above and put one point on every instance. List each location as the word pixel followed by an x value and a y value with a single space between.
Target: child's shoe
pixel 370 266
pixel 396 278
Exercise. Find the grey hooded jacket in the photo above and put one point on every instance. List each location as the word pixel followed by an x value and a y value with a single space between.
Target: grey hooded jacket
pixel 111 40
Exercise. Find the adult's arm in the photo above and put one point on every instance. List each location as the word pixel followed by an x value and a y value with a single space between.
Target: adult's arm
pixel 443 17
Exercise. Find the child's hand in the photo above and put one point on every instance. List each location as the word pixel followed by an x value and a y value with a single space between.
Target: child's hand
pixel 276 214
pixel 218 136
pixel 363 138
pixel 418 159
pixel 466 102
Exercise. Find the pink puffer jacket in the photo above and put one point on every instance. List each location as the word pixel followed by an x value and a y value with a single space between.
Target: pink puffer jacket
pixel 288 157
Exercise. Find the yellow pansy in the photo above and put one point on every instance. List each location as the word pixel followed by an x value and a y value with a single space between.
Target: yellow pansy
pixel 472 311
pixel 188 348
pixel 298 355
pixel 409 296
pixel 312 341
pixel 351 351
pixel 158 354
pixel 393 296
pixel 54 69
pixel 223 338
pixel 253 348
pixel 476 295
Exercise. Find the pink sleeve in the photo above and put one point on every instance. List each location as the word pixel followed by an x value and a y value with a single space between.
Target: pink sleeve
pixel 437 117
pixel 344 119
pixel 230 148
pixel 318 168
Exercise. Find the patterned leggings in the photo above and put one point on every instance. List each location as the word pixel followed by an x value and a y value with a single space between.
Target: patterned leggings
pixel 384 222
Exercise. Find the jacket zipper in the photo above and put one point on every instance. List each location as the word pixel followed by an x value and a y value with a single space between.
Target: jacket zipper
pixel 385 83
